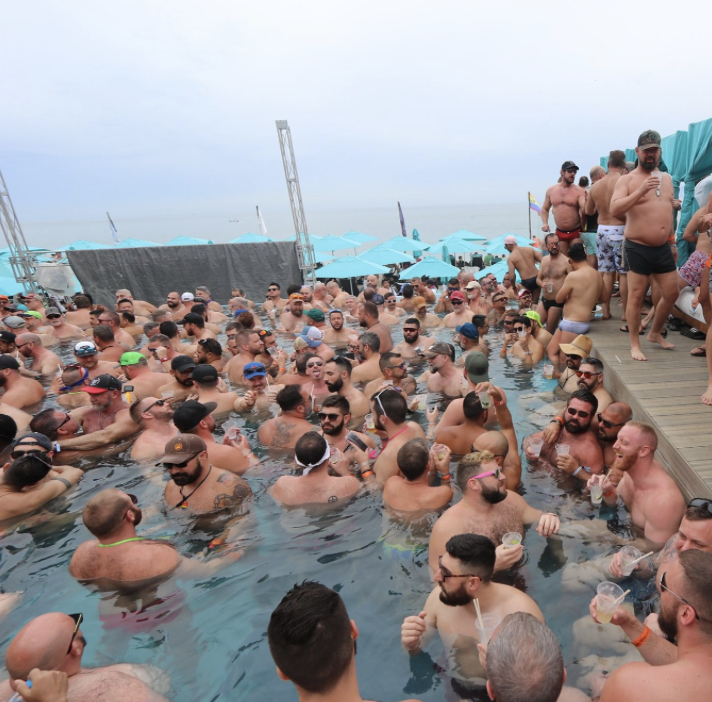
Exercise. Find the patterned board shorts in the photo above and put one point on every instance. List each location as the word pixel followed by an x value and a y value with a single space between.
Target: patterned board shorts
pixel 609 242
pixel 691 272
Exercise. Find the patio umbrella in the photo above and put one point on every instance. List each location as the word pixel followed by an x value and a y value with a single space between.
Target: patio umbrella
pixel 358 237
pixel 350 267
pixel 9 286
pixel 384 256
pixel 135 244
pixel 250 238
pixel 188 241
pixel 334 243
pixel 464 234
pixel 499 269
pixel 496 246
pixel 430 266
pixel 82 245
pixel 454 246
pixel 402 243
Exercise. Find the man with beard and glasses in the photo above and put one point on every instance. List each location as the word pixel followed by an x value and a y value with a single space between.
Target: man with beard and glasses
pixel 393 372
pixel 487 508
pixel 337 375
pixel 414 341
pixel 195 483
pixel 155 418
pixel 337 335
pixel 461 313
pixel 443 375
pixel 181 385
pixel 574 353
pixel 174 306
pixel 670 671
pixel 256 397
pixel 334 418
pixel 552 271
pixel 568 201
pixel 464 572
pixel 645 198
pixel 19 392
pixel 250 346
pixel 368 317
pixel 652 497
pixel 55 642
pixel 315 389
pixel 583 456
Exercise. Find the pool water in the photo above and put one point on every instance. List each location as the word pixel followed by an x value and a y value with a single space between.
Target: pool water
pixel 208 633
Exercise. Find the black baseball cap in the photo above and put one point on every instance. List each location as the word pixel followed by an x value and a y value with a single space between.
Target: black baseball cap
pixel 34 439
pixel 102 383
pixel 191 318
pixel 8 362
pixel 569 164
pixel 205 373
pixel 182 363
pixel 190 413
pixel 8 427
pixel 7 336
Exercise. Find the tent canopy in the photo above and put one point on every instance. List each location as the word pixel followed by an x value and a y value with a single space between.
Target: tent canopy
pixel 135 244
pixel 188 241
pixel 334 243
pixel 402 243
pixel 384 256
pixel 358 237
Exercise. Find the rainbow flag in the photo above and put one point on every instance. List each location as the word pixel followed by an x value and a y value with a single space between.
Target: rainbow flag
pixel 532 204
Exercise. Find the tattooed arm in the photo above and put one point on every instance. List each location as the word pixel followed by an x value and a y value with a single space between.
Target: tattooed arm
pixel 236 490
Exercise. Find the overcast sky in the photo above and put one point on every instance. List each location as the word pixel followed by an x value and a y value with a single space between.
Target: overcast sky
pixel 168 108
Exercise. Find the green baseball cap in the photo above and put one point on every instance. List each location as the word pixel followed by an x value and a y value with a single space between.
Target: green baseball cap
pixel 131 358
pixel 315 315
pixel 649 139
pixel 32 313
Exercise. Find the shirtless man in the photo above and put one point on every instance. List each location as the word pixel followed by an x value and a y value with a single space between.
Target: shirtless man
pixel 609 238
pixel 337 334
pixel 487 508
pixel 314 486
pixel 424 291
pixel 42 644
pixel 250 345
pixel 292 319
pixel 155 418
pixel 461 313
pixel 427 319
pixel 523 260
pixel 444 376
pixel 79 317
pixel 394 372
pixel 179 383
pixel 413 492
pixel 459 438
pixel 334 418
pixel 644 197
pixel 107 347
pixel 59 329
pixel 196 484
pixel 468 338
pixel 283 431
pixel 369 351
pixel 142 307
pixel 315 390
pixel 579 293
pixel 18 391
pixel 368 317
pixel 44 363
pixel 337 294
pixel 414 341
pixel 112 319
pixel 652 497
pixel 523 345
pixel 477 300
pixel 463 574
pixel 313 338
pixel 553 270
pixel 337 374
pixel 206 383
pixel 390 306
pixel 568 201
pixel 254 377
pixel 273 300
pixel 175 306
pixel 139 377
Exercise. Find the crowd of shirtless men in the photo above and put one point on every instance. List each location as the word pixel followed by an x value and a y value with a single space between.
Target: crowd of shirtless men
pixel 338 395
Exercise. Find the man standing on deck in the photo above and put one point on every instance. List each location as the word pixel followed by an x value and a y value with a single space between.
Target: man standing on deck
pixel 523 260
pixel 568 201
pixel 645 199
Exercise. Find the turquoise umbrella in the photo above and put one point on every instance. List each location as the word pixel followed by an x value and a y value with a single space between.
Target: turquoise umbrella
pixel 358 237
pixel 496 245
pixel 82 245
pixel 250 238
pixel 402 243
pixel 9 286
pixel 334 243
pixel 499 269
pixel 430 266
pixel 135 244
pixel 385 256
pixel 454 245
pixel 350 267
pixel 464 234
pixel 188 241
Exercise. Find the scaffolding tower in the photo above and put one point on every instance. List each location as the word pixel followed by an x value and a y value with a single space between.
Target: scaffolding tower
pixel 305 251
pixel 21 260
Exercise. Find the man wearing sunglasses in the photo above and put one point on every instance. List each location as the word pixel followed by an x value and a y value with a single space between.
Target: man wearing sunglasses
pixel 443 375
pixel 460 314
pixel 414 340
pixel 44 362
pixel 523 345
pixel 370 354
pixel 393 372
pixel 335 418
pixel 155 418
pixel 568 201
pixel 59 329
pixel 274 300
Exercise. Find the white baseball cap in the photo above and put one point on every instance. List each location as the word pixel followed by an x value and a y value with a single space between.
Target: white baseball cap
pixel 187 297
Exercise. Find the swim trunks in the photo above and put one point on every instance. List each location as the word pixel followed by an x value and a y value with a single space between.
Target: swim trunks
pixel 691 272
pixel 609 242
pixel 530 284
pixel 648 260
pixel 574 327
pixel 568 236
pixel 589 243
pixel 552 303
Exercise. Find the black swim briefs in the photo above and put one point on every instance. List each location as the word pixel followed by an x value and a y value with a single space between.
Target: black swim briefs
pixel 552 303
pixel 530 284
pixel 648 260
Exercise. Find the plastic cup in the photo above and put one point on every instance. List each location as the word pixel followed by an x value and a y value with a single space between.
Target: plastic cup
pixel 550 288
pixel 422 402
pixel 522 335
pixel 511 539
pixel 231 430
pixel 273 350
pixel 659 176
pixel 628 554
pixel 167 395
pixel 562 449
pixel 485 399
pixel 607 594
pixel 370 424
pixel 596 494
pixel 535 446
pixel 489 623
pixel 548 371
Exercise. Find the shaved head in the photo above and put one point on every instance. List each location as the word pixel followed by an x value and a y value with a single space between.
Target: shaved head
pixel 621 411
pixel 105 512
pixel 28 338
pixel 493 441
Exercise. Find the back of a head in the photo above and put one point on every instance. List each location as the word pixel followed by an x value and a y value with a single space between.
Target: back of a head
pixel 169 329
pixel 477 552
pixel 577 252
pixel 246 319
pixel 26 471
pixel 393 405
pixel 289 397
pixel 82 302
pixel 649 436
pixel 616 159
pixel 493 441
pixel 103 332
pixel 149 327
pixel 368 294
pixel 472 407
pixel 104 513
pixel 413 458
pixel 524 661
pixel 408 291
pixel 372 340
pixel 310 449
pixel 130 318
pixel 310 638
pixel 198 308
pixel 697 568
pixel 211 346
pixel 45 422
pixel 370 309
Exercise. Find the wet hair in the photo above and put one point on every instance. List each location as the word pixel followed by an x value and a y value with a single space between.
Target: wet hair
pixel 470 466
pixel 289 397
pixel 524 661
pixel 372 340
pixel 246 319
pixel 339 402
pixel 169 329
pixel 103 332
pixel 471 406
pixel 211 346
pixel 129 317
pixel 584 396
pixel 479 320
pixel 412 320
pixel 526 321
pixel 477 552
pixel 407 291
pixel 393 404
pixel 592 361
pixel 413 458
pixel 310 639
pixel 104 513
pixel 199 322
pixel 577 252
pixel 310 448
pixel 616 159
pixel 583 181
pixel 46 422
pixel 26 471
pixel 82 302
pixel 386 359
pixel 343 363
pixel 697 567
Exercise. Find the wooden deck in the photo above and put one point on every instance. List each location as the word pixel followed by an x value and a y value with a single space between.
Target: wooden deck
pixel 664 392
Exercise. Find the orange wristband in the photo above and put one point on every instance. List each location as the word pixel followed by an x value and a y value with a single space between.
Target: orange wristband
pixel 365 474
pixel 642 638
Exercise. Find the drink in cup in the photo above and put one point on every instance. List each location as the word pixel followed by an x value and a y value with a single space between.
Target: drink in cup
pixel 422 402
pixel 562 449
pixel 535 446
pixel 548 371
pixel 596 494
pixel 629 554
pixel 489 623
pixel 370 424
pixel 511 539
pixel 522 335
pixel 230 429
pixel 485 399
pixel 606 595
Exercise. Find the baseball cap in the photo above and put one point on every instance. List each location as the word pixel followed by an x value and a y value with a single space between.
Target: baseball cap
pixel 182 364
pixel 477 367
pixel 191 318
pixel 8 362
pixel 510 239
pixel 4 298
pixel 296 296
pixel 472 285
pixel 580 346
pixel 187 297
pixel 85 348
pixel 300 343
pixel 419 301
pixel 14 322
pixel 315 315
pixel 569 164
pixel 7 336
pixel 378 299
pixel 34 439
pixel 440 347
pixel 131 358
pixel 649 139
pixel 469 330
pixel 8 427
pixel 102 383
pixel 535 316
pixel 10 307
pixel 240 311
pixel 205 373
pixel 182 447
pixel 457 295
pixel 32 313
pixel 312 336
pixel 253 370
pixel 52 310
pixel 190 413
pixel 523 292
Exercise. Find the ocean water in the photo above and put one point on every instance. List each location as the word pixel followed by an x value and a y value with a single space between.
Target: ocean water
pixel 432 223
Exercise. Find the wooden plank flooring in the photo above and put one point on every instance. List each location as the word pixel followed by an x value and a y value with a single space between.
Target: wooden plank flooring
pixel 665 392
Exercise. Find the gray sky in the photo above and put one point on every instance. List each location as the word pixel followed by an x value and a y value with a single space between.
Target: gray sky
pixel 168 108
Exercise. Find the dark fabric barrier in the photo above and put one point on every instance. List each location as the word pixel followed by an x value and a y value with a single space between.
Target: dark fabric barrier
pixel 152 272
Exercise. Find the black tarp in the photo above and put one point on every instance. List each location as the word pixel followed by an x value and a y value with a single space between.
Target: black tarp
pixel 151 273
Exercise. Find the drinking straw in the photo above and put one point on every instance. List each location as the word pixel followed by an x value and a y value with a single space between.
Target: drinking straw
pixel 479 614
pixel 620 599
pixel 650 553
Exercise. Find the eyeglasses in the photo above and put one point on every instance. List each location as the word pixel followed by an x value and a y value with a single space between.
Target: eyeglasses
pixel 573 412
pixel 518 329
pixel 19 346
pixel 498 299
pixel 586 374
pixel 272 289
pixel 447 574
pixel 608 424
pixel 701 502
pixel 332 417
pixel 169 466
pixel 315 365
pixel 497 474
pixel 78 619
pixel 663 586
pixel 391 301
pixel 160 403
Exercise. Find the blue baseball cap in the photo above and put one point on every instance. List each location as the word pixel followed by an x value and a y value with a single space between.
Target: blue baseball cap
pixel 468 330
pixel 312 336
pixel 253 370
pixel 239 312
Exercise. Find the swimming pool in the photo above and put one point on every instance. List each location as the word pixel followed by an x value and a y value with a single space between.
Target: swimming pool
pixel 209 633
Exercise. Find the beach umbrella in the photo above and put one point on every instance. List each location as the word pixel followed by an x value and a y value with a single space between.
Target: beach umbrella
pixel 452 245
pixel 499 269
pixel 9 286
pixel 385 256
pixel 358 237
pixel 350 267
pixel 135 244
pixel 323 256
pixel 430 266
pixel 465 234
pixel 334 243
pixel 82 245
pixel 402 243
pixel 250 238
pixel 188 241
pixel 496 246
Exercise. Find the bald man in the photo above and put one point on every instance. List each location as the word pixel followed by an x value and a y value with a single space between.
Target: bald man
pixel 44 362
pixel 55 641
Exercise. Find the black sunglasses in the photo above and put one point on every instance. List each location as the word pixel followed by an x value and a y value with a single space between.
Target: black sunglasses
pixel 55 316
pixel 457 302
pixel 327 415
pixel 573 412
pixel 570 170
pixel 160 403
pixel 19 454
pixel 78 619
pixel 168 466
pixel 663 586
pixel 608 424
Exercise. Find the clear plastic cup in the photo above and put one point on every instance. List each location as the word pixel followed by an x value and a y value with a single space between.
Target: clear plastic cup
pixel 422 402
pixel 628 554
pixel 535 446
pixel 231 430
pixel 606 595
pixel 273 350
pixel 550 288
pixel 167 395
pixel 596 494
pixel 659 175
pixel 548 371
pixel 370 423
pixel 485 399
pixel 511 539
pixel 562 449
pixel 489 623
pixel 522 335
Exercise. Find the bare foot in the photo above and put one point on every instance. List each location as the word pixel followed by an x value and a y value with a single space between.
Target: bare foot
pixel 707 397
pixel 658 339
pixel 637 353
pixel 606 316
